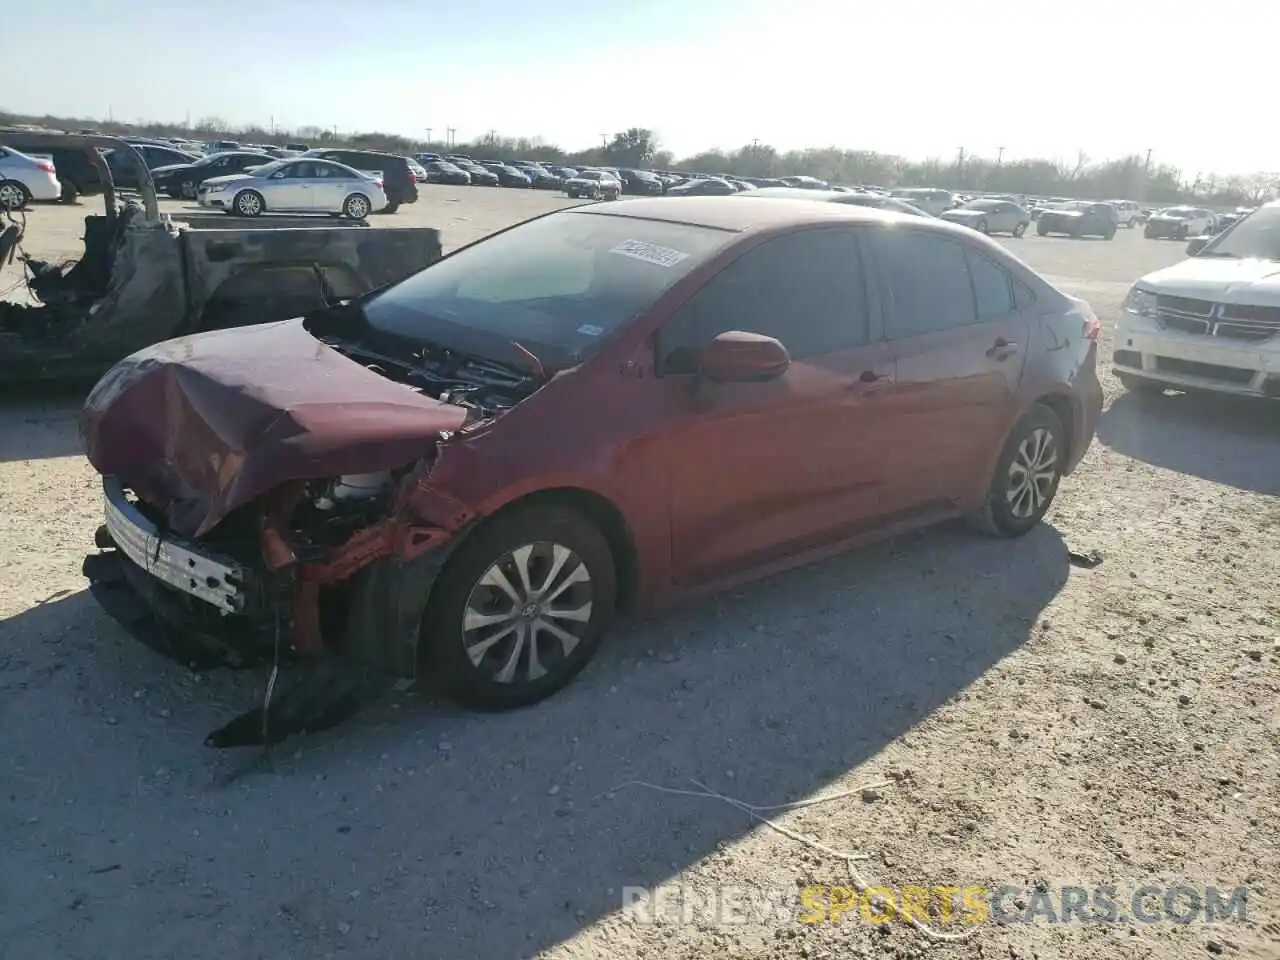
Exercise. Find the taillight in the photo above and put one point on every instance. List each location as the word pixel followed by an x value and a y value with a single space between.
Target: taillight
pixel 1092 327
pixel 378 184
pixel 46 166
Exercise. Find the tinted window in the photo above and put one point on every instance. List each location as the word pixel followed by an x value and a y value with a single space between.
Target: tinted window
pixel 927 282
pixel 992 287
pixel 805 290
pixel 1023 298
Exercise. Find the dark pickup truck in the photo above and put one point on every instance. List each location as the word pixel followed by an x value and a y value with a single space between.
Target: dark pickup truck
pixel 146 277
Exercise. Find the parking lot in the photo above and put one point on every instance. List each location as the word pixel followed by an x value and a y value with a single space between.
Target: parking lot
pixel 1024 721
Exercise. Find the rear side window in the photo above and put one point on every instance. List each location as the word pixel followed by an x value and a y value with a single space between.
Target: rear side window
pixel 926 278
pixel 992 287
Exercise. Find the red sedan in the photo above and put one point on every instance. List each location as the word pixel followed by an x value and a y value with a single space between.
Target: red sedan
pixel 594 411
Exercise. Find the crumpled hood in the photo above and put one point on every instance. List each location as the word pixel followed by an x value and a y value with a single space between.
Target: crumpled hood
pixel 1222 279
pixel 203 424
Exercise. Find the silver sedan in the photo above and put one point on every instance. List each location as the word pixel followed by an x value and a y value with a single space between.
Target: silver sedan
pixel 987 215
pixel 301 185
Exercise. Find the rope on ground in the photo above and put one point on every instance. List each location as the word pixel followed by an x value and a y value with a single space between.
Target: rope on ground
pixel 757 811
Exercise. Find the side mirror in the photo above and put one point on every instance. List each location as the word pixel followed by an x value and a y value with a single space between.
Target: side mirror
pixel 1195 245
pixel 739 357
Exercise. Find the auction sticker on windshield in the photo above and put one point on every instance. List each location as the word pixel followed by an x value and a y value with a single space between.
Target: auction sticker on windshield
pixel 649 253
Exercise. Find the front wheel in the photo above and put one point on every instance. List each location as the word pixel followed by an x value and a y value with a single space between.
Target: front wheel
pixel 13 195
pixel 356 207
pixel 1020 229
pixel 1041 231
pixel 187 190
pixel 1109 233
pixel 1026 475
pixel 249 203
pixel 521 607
pixel 982 227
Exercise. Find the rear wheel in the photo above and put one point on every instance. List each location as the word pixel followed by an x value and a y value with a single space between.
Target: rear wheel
pixel 521 607
pixel 13 195
pixel 1020 229
pixel 187 190
pixel 1026 475
pixel 1109 234
pixel 982 227
pixel 1041 230
pixel 356 207
pixel 391 207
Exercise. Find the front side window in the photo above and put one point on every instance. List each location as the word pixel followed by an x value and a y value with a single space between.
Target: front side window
pixel 804 289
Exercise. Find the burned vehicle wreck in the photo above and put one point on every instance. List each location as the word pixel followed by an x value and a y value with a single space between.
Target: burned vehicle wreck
pixel 144 277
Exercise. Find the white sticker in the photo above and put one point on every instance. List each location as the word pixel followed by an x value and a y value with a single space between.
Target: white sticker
pixel 649 253
pixel 590 330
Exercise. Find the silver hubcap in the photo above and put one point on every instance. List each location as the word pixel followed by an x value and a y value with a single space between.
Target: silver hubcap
pixel 250 205
pixel 527 613
pixel 1032 473
pixel 10 197
pixel 357 208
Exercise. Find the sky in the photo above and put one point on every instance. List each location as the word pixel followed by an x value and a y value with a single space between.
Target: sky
pixel 1189 80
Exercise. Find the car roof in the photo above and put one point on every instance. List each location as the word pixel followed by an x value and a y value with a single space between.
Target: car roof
pixel 745 213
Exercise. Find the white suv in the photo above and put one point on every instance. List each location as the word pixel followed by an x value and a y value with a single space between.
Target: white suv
pixel 1130 213
pixel 24 178
pixel 1211 322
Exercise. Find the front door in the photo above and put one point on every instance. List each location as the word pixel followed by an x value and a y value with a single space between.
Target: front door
pixel 958 329
pixel 764 470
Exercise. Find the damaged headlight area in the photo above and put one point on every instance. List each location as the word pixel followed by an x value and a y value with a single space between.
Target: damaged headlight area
pixel 293 581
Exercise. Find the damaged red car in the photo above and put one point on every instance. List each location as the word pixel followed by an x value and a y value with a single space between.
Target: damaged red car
pixel 596 411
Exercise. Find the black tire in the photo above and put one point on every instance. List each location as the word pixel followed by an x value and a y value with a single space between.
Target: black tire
pixel 1148 234
pixel 391 207
pixel 982 227
pixel 1020 229
pixel 356 207
pixel 187 190
pixel 249 203
pixel 1041 231
pixel 1110 234
pixel 460 587
pixel 14 195
pixel 997 516
pixel 70 192
pixel 1182 233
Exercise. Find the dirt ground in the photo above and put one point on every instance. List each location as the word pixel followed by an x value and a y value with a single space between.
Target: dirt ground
pixel 1028 723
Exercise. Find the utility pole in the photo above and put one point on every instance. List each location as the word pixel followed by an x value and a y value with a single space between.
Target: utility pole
pixel 449 135
pixel 755 144
pixel 960 159
pixel 999 156
pixel 428 129
pixel 604 140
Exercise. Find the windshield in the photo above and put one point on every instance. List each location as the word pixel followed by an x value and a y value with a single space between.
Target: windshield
pixel 982 204
pixel 558 285
pixel 1072 205
pixel 1254 237
pixel 1178 213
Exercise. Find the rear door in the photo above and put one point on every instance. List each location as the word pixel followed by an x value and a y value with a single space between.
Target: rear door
pixel 762 471
pixel 958 338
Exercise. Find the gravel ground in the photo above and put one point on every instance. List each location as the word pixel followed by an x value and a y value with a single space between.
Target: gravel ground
pixel 1033 724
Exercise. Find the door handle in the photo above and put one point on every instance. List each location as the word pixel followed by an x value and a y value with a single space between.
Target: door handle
pixel 1002 349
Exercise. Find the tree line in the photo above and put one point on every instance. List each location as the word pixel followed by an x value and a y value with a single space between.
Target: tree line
pixel 1131 177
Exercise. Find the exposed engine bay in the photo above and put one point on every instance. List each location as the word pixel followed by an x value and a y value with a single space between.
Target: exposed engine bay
pixel 484 386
